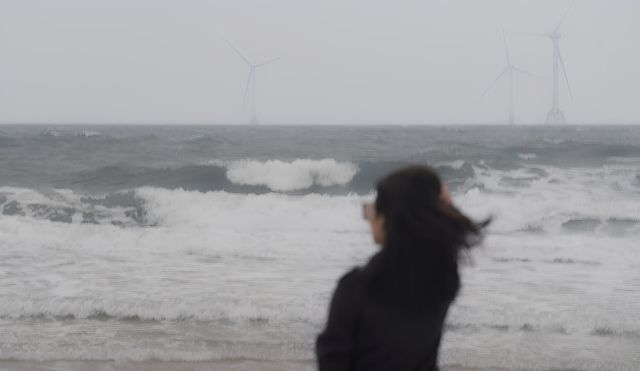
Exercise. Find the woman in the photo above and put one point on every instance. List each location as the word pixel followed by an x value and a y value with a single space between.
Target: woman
pixel 389 315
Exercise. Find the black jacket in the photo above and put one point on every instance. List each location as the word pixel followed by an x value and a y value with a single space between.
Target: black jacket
pixel 376 334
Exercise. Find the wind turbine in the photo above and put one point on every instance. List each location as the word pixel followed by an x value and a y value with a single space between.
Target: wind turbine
pixel 510 70
pixel 251 81
pixel 555 115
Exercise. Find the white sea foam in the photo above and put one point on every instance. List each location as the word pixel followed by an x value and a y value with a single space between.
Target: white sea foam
pixel 288 176
pixel 264 264
pixel 60 204
pixel 527 156
pixel 548 197
pixel 457 164
pixel 88 133
pixel 211 256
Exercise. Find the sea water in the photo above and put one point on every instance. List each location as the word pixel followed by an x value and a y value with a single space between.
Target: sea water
pixel 225 243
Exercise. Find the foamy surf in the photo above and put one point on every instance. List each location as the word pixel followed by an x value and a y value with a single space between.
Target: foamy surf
pixel 230 264
pixel 144 249
pixel 293 175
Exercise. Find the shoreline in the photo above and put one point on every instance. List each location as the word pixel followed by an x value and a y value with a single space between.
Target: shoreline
pixel 224 365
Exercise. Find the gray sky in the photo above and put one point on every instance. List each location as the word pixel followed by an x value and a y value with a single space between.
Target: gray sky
pixel 354 62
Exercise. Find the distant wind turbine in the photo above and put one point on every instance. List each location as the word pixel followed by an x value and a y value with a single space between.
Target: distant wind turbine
pixel 251 81
pixel 510 70
pixel 555 115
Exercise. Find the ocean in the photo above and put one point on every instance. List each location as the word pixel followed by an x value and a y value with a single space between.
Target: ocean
pixel 224 243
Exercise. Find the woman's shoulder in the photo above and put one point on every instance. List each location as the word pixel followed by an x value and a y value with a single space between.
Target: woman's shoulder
pixel 352 281
pixel 348 293
pixel 353 276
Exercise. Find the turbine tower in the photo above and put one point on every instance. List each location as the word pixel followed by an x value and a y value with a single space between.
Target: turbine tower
pixel 510 70
pixel 251 81
pixel 555 115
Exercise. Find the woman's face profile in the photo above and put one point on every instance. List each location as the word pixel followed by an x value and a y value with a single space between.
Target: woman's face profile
pixel 445 196
pixel 376 222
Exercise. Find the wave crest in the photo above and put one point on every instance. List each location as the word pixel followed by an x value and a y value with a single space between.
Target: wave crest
pixel 296 175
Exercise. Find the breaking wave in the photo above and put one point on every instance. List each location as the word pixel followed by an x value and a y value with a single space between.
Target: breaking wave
pixel 291 176
pixel 117 208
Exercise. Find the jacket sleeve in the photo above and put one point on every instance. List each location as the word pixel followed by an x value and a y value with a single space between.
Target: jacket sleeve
pixel 335 345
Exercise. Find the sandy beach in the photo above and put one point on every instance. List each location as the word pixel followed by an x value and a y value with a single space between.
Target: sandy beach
pixel 170 366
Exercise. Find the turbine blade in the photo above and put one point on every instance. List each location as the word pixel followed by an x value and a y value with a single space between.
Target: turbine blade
pixel 566 13
pixel 238 52
pixel 506 47
pixel 495 81
pixel 564 72
pixel 246 89
pixel 270 61
pixel 527 72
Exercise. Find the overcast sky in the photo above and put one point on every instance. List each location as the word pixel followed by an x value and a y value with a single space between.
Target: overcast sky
pixel 352 62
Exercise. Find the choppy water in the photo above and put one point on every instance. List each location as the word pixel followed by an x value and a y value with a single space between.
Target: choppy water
pixel 204 243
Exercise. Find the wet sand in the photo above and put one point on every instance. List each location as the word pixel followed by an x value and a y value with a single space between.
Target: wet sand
pixel 172 366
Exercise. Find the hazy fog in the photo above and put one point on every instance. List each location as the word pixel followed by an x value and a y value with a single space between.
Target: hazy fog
pixel 378 62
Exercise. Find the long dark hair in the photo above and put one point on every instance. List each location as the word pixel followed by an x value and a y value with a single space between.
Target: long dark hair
pixel 424 236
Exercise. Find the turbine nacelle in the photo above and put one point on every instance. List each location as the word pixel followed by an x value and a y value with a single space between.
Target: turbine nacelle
pixel 555 36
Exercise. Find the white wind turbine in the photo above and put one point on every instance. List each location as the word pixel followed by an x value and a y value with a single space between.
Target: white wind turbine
pixel 555 115
pixel 251 81
pixel 511 70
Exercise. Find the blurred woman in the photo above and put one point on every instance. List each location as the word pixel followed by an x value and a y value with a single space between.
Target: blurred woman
pixel 389 315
